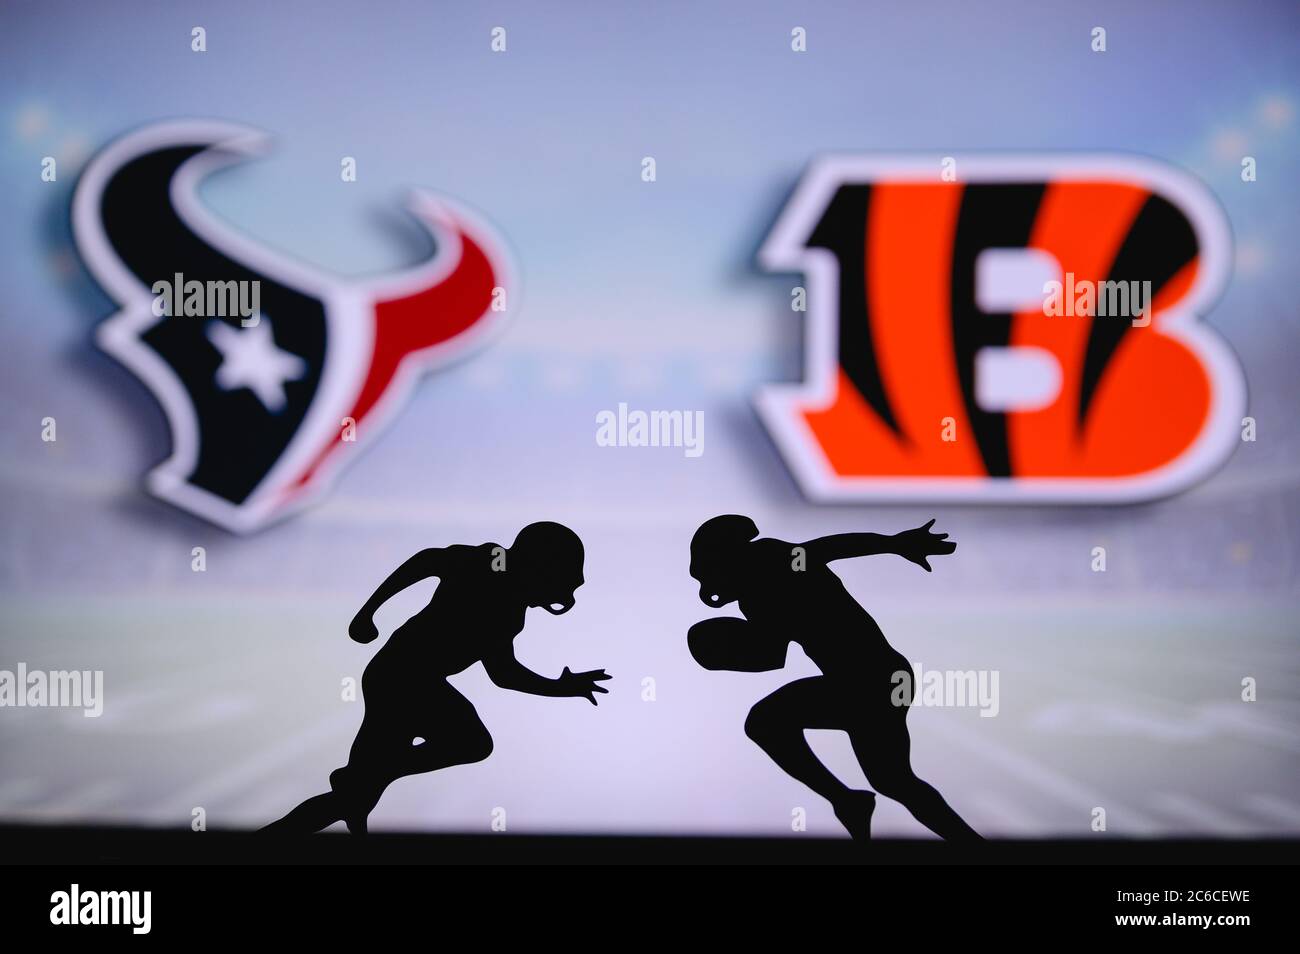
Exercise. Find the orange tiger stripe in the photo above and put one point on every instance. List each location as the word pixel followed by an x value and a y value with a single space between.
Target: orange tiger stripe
pixel 1083 225
pixel 908 267
pixel 1152 401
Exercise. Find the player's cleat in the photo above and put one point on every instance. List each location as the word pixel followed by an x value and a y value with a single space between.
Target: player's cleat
pixel 854 812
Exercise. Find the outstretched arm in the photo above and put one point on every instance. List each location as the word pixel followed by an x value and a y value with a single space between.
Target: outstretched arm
pixel 423 565
pixel 509 673
pixel 914 545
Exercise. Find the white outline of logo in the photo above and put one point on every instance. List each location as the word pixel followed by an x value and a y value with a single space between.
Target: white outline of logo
pixel 783 250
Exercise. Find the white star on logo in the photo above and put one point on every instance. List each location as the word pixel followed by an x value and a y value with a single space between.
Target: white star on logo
pixel 250 359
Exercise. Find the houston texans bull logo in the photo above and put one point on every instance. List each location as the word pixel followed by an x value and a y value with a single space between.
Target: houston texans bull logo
pixel 264 409
pixel 939 363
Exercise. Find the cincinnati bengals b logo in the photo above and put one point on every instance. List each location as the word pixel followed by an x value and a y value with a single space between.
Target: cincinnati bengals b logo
pixel 936 368
pixel 265 407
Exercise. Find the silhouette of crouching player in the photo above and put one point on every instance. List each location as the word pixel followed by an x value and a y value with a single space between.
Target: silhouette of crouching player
pixel 787 593
pixel 415 721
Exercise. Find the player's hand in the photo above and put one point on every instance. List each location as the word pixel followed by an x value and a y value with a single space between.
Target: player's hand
pixel 583 684
pixel 918 544
pixel 363 629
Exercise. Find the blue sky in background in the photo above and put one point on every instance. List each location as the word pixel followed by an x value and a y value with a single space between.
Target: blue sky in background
pixel 644 293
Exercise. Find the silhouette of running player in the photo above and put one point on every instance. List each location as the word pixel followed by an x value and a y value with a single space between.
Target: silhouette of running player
pixel 788 593
pixel 477 610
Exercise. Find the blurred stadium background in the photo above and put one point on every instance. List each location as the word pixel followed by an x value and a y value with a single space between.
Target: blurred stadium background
pixel 1118 690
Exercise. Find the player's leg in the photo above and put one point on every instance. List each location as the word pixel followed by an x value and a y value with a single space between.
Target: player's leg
pixel 444 730
pixel 317 812
pixel 415 730
pixel 354 789
pixel 373 764
pixel 450 733
pixel 884 748
pixel 777 724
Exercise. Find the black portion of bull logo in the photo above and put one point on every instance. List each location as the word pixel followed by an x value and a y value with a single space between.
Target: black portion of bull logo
pixel 241 436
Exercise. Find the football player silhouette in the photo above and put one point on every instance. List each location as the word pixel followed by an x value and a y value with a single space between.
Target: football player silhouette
pixel 415 721
pixel 788 593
